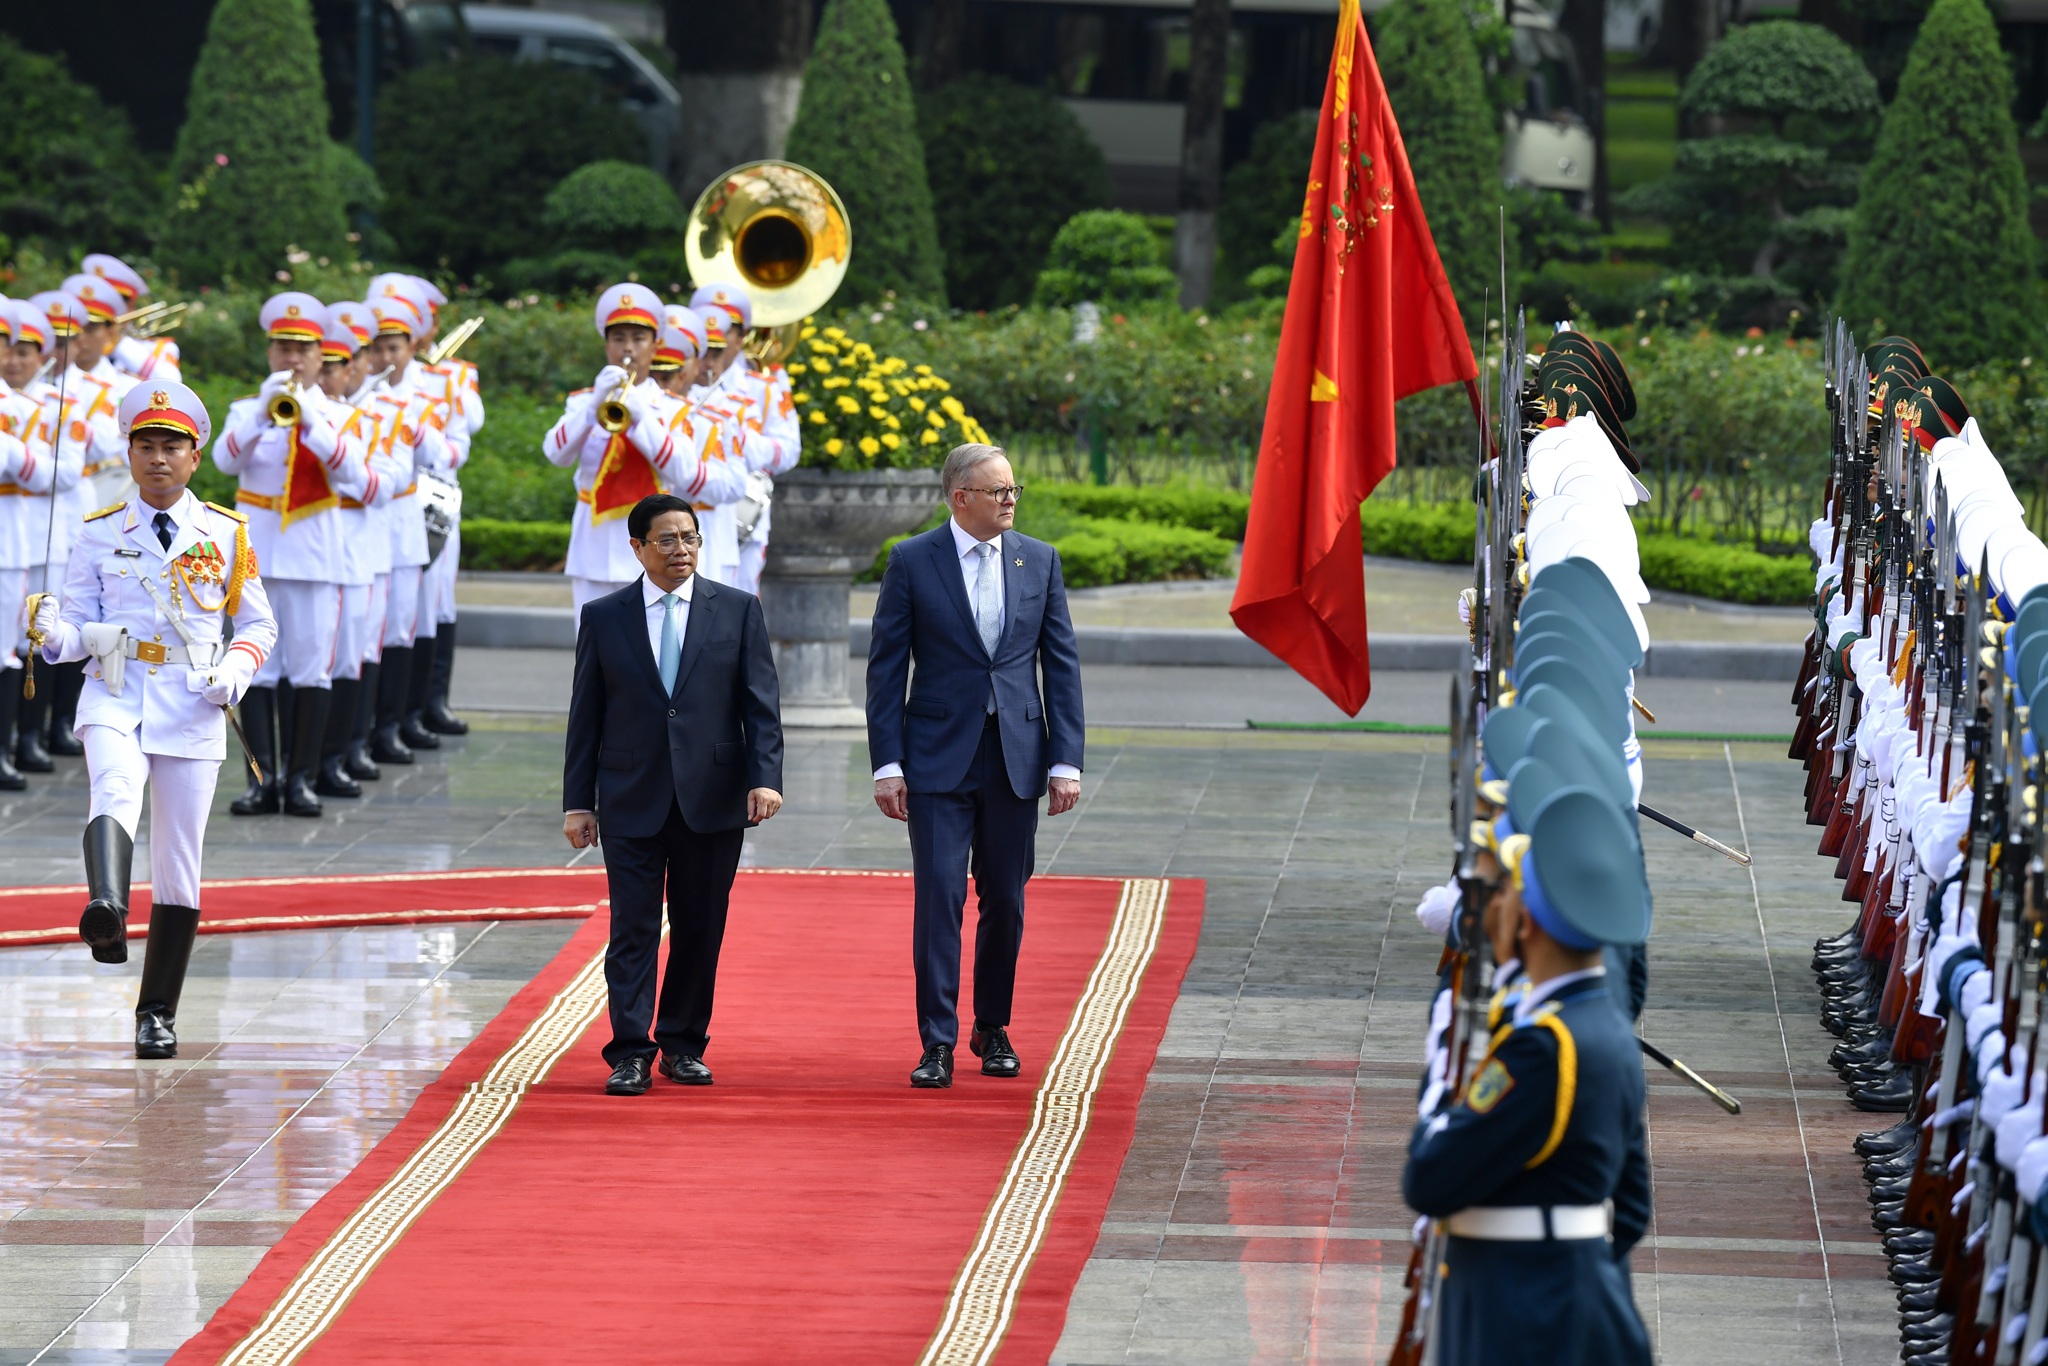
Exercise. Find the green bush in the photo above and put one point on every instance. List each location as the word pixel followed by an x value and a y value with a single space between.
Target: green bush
pixel 71 175
pixel 1726 573
pixel 1015 164
pixel 254 171
pixel 1195 507
pixel 1426 53
pixel 614 206
pixel 491 544
pixel 1106 257
pixel 1438 533
pixel 857 127
pixel 507 478
pixel 1940 249
pixel 469 149
pixel 1262 197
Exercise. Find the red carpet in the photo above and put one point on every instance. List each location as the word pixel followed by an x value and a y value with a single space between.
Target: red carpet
pixel 49 915
pixel 810 1207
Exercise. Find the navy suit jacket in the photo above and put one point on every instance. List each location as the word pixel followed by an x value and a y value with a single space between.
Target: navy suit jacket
pixel 633 748
pixel 923 618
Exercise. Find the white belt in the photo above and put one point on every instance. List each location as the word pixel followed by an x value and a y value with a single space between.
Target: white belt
pixel 1530 1223
pixel 203 656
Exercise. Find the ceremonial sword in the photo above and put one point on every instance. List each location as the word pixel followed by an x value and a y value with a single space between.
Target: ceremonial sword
pixel 1714 1093
pixel 1695 836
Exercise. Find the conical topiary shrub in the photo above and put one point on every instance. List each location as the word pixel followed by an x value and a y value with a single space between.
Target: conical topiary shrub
pixel 1430 62
pixel 1939 249
pixel 254 170
pixel 857 127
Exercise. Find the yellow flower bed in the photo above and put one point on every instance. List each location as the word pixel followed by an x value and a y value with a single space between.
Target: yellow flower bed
pixel 863 410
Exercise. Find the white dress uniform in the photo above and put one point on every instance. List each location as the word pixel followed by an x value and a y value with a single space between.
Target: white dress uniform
pixel 714 425
pixel 613 472
pixel 292 481
pixel 32 506
pixel 26 469
pixel 768 407
pixel 147 599
pixel 150 358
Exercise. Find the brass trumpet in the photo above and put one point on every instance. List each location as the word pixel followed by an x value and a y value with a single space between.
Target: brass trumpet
pixel 611 413
pixel 153 320
pixel 285 409
pixel 452 343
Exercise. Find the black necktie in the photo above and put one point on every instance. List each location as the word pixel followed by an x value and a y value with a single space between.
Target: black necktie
pixel 163 529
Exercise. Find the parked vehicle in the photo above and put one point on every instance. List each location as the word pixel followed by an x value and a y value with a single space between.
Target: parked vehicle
pixel 1547 142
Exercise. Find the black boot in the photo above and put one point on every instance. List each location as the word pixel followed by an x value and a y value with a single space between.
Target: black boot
pixel 109 858
pixel 418 684
pixel 164 959
pixel 393 677
pixel 334 779
pixel 10 708
pixel 29 750
pixel 64 713
pixel 436 716
pixel 259 726
pixel 358 762
pixel 309 728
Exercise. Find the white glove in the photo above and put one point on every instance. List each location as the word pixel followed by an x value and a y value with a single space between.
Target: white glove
pixel 1439 904
pixel 635 400
pixel 608 379
pixel 277 384
pixel 45 623
pixel 227 680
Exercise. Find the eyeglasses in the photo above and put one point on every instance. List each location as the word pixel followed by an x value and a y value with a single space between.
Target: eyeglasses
pixel 1003 493
pixel 668 545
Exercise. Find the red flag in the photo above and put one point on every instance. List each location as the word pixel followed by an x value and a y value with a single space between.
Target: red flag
pixel 1370 319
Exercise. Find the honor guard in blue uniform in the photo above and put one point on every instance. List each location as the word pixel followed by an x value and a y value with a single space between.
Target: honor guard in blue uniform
pixel 1539 1174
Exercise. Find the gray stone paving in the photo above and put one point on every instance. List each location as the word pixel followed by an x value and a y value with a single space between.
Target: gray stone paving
pixel 1258 1216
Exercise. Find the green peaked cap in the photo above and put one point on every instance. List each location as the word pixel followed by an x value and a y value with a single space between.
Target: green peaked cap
pixel 1588 868
pixel 1585 590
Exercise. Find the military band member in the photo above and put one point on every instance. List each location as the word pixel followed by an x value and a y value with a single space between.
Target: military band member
pixel 365 557
pixel 30 359
pixel 1549 1130
pixel 285 447
pixel 26 469
pixel 363 381
pixel 680 353
pixel 615 470
pixel 80 411
pixel 413 427
pixel 771 414
pixel 151 358
pixel 151 584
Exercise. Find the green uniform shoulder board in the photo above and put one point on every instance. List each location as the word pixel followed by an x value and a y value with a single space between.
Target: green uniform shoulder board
pixel 106 511
pixel 227 512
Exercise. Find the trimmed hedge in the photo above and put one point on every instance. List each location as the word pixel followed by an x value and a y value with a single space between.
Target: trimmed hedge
pixel 488 543
pixel 1221 512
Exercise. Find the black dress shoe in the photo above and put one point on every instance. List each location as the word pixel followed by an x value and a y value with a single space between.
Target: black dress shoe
pixel 156 1035
pixel 934 1071
pixel 992 1046
pixel 685 1070
pixel 629 1078
pixel 1892 1096
pixel 359 764
pixel 386 747
pixel 335 780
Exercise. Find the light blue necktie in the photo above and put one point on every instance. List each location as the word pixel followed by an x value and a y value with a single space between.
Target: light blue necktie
pixel 988 608
pixel 671 644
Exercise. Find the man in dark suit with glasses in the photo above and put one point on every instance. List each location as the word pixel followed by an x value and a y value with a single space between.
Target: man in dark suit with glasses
pixel 675 742
pixel 964 747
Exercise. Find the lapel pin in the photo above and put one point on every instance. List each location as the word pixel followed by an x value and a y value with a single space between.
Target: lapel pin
pixel 1020 562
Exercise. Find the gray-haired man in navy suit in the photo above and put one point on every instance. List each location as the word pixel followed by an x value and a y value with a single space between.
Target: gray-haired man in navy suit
pixel 964 747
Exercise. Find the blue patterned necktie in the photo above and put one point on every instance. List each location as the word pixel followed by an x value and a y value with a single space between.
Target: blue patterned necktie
pixel 988 611
pixel 671 644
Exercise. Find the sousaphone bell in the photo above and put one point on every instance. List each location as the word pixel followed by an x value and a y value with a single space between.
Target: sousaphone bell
pixel 778 231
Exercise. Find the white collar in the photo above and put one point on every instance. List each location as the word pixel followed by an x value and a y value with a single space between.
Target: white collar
pixel 1543 991
pixel 651 592
pixel 963 543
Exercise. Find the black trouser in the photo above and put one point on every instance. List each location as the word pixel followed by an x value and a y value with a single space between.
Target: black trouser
pixel 982 825
pixel 697 871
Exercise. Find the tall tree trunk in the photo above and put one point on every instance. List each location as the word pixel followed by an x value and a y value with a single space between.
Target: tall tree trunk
pixel 1201 152
pixel 740 78
pixel 1584 23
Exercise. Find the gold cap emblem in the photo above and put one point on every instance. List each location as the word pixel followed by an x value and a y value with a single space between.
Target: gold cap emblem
pixel 625 301
pixel 159 399
pixel 291 310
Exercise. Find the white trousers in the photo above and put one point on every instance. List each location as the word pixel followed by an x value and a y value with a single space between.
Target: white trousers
pixel 438 583
pixel 375 614
pixel 308 632
pixel 14 589
pixel 754 558
pixel 583 592
pixel 401 606
pixel 354 628
pixel 181 794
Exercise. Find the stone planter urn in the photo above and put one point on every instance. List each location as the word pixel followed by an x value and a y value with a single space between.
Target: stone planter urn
pixel 828 526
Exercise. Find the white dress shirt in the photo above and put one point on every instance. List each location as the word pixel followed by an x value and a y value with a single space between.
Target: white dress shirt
pixel 657 611
pixel 970 576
